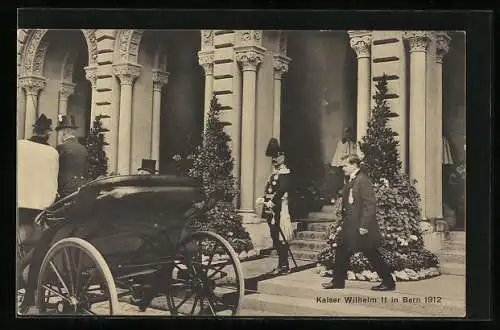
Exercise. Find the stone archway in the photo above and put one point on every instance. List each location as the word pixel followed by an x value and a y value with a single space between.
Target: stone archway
pixel 32 49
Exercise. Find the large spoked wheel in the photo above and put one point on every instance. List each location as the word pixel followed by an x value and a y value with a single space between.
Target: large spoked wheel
pixel 75 279
pixel 206 277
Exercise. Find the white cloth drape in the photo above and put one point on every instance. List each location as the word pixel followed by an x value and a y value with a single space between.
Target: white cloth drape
pixel 37 170
pixel 285 220
pixel 447 154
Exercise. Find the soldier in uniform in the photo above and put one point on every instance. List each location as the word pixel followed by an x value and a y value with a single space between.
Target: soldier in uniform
pixel 73 158
pixel 275 205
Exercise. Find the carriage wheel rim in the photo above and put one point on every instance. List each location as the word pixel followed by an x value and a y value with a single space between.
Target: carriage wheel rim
pixel 206 293
pixel 84 248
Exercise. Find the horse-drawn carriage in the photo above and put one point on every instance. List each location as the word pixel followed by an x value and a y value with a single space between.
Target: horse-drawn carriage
pixel 128 238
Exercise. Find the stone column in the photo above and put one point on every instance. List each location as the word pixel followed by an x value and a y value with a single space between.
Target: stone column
pixel 160 79
pixel 280 65
pixel 32 85
pixel 442 48
pixel 250 57
pixel 418 42
pixel 127 73
pixel 91 75
pixel 65 90
pixel 360 42
pixel 206 60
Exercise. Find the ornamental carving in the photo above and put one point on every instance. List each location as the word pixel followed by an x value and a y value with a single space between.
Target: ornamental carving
pixel 35 48
pixel 91 74
pixel 32 84
pixel 123 44
pixel 250 57
pixel 206 60
pixel 361 45
pixel 251 36
pixel 129 44
pixel 66 89
pixel 207 38
pixel 30 51
pixel 442 46
pixel 417 40
pixel 160 79
pixel 127 72
pixel 280 65
pixel 91 44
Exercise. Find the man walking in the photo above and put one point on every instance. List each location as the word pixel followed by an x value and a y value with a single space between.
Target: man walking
pixel 359 229
pixel 73 158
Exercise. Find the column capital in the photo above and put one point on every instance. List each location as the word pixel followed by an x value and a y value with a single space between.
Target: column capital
pixel 160 79
pixel 91 74
pixel 249 57
pixel 127 72
pixel 418 40
pixel 206 60
pixel 280 65
pixel 443 41
pixel 66 89
pixel 360 41
pixel 32 84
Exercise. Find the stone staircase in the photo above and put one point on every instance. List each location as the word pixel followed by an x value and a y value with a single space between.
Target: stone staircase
pixel 452 255
pixel 311 234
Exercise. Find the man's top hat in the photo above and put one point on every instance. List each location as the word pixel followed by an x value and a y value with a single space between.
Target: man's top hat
pixel 273 148
pixel 66 122
pixel 148 165
pixel 42 124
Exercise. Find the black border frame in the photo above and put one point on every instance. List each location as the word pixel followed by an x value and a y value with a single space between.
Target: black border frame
pixel 479 113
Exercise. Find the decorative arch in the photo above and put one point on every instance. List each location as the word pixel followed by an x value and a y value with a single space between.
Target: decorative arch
pixel 34 47
pixel 128 45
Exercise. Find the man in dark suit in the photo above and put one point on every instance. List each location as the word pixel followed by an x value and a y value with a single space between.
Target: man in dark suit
pixel 73 158
pixel 359 229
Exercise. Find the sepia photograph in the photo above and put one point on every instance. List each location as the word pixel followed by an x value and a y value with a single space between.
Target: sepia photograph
pixel 287 173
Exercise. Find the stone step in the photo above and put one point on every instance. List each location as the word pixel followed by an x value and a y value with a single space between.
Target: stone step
pixel 300 255
pixel 309 307
pixel 456 236
pixel 322 216
pixel 317 226
pixel 312 235
pixel 455 246
pixel 451 268
pixel 453 256
pixel 394 301
pixel 308 245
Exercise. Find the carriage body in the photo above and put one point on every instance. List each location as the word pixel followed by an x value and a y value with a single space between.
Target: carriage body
pixel 139 230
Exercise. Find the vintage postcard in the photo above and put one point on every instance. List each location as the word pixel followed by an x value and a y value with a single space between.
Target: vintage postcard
pixel 240 172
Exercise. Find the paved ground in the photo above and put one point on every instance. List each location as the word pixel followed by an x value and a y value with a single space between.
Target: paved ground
pixel 295 294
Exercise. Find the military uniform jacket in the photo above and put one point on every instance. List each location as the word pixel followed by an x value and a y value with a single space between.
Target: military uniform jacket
pixel 359 211
pixel 73 165
pixel 277 187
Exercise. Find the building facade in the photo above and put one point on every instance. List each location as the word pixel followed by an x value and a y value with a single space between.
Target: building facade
pixel 302 87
